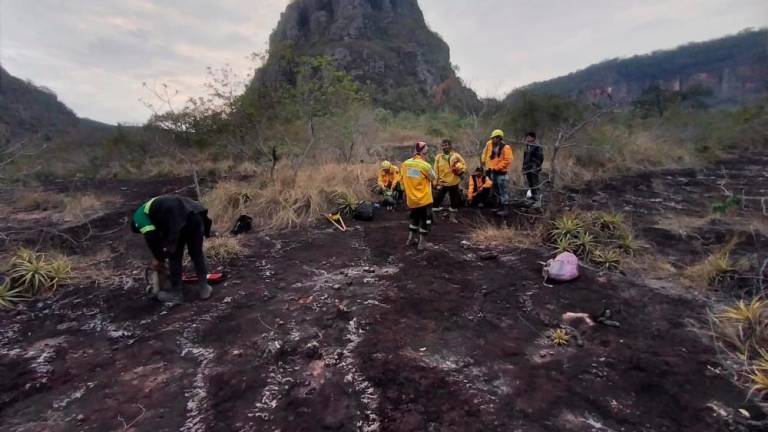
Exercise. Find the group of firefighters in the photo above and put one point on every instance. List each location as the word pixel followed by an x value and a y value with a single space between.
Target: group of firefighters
pixel 170 224
pixel 488 184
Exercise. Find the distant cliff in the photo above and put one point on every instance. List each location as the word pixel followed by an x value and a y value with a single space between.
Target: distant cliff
pixel 735 68
pixel 27 109
pixel 385 45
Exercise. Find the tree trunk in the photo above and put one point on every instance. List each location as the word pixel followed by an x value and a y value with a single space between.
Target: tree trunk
pixel 311 132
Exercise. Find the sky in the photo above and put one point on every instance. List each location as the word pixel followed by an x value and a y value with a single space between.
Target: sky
pixel 95 54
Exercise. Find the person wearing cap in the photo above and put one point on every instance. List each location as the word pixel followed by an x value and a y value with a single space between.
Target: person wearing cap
pixel 479 188
pixel 533 158
pixel 418 178
pixel 389 182
pixel 449 167
pixel 497 159
pixel 170 223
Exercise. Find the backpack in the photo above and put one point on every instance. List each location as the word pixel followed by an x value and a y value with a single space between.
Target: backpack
pixel 243 225
pixel 564 268
pixel 364 212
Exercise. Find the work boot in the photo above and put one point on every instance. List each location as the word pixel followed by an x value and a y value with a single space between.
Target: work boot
pixel 423 244
pixel 452 210
pixel 412 240
pixel 170 298
pixel 204 291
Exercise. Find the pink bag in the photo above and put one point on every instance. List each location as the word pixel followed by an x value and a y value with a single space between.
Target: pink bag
pixel 564 268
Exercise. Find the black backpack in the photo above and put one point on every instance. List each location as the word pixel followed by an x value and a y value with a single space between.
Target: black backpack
pixel 243 225
pixel 364 212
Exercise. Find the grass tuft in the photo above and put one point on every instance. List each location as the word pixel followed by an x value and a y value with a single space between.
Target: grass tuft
pixel 223 250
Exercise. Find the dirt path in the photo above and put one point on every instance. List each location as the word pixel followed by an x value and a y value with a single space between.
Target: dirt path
pixel 319 330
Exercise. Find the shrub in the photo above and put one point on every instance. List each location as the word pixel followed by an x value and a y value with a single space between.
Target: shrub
pixel 10 295
pixel 599 237
pixel 35 273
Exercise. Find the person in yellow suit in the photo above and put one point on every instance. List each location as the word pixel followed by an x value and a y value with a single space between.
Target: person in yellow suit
pixel 389 184
pixel 418 177
pixel 497 159
pixel 449 167
pixel 479 188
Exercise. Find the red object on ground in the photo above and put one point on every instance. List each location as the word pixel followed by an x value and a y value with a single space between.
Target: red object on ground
pixel 213 278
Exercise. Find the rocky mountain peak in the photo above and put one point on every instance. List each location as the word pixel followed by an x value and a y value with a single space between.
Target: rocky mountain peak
pixel 385 45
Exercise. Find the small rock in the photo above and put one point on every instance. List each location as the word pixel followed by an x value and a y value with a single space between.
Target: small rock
pixel 369 270
pixel 465 244
pixel 80 418
pixel 227 300
pixel 336 287
pixel 487 256
pixel 369 281
pixel 237 353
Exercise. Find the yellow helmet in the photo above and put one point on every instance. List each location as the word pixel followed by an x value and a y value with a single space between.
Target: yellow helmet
pixel 497 133
pixel 386 165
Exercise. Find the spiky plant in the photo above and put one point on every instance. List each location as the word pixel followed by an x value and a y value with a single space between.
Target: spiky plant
pixel 345 202
pixel 559 337
pixel 627 243
pixel 585 244
pixel 744 326
pixel 608 222
pixel 565 244
pixel 608 259
pixel 566 226
pixel 30 271
pixel 759 382
pixel 59 271
pixel 10 295
pixel 754 313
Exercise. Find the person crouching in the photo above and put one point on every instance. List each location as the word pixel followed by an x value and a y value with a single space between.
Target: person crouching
pixel 170 223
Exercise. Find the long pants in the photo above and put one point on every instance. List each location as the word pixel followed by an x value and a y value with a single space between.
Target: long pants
pixel 421 220
pixel 533 178
pixel 453 192
pixel 501 187
pixel 191 237
pixel 480 198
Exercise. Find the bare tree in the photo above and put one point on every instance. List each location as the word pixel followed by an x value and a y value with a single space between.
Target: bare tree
pixel 566 131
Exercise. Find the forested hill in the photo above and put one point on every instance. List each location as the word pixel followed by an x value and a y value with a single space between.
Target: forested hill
pixel 734 68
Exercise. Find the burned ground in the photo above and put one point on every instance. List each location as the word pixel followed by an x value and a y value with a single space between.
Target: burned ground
pixel 323 330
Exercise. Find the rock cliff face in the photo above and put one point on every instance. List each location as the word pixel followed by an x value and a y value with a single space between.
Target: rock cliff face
pixel 26 109
pixel 735 68
pixel 384 44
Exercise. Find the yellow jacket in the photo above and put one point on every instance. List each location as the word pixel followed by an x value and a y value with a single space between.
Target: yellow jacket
pixel 417 178
pixel 388 179
pixel 477 184
pixel 449 168
pixel 499 163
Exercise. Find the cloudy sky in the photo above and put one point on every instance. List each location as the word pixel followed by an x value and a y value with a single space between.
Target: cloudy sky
pixel 95 54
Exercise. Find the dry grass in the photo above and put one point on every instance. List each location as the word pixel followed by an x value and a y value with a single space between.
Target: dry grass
pixel 31 201
pixel 492 235
pixel 223 249
pixel 716 268
pixel 78 207
pixel 289 201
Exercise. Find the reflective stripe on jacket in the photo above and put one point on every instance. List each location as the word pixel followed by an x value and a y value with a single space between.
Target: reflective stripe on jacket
pixel 388 179
pixel 477 184
pixel 497 162
pixel 417 178
pixel 446 166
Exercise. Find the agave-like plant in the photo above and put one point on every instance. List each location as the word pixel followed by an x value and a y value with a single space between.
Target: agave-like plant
pixel 585 244
pixel 566 244
pixel 10 295
pixel 627 243
pixel 30 271
pixel 608 222
pixel 559 337
pixel 608 259
pixel 566 226
pixel 345 202
pixel 59 271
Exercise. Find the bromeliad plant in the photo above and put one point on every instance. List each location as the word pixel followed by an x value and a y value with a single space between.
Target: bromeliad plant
pixel 559 337
pixel 31 273
pixel 600 237
pixel 10 295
